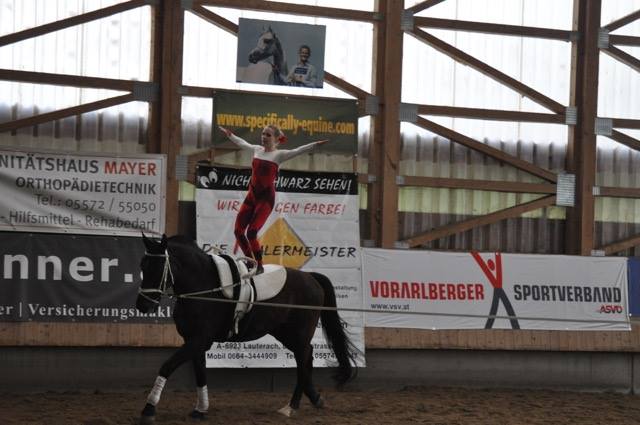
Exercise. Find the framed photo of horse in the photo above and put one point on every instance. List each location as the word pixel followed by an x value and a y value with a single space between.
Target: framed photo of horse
pixel 280 53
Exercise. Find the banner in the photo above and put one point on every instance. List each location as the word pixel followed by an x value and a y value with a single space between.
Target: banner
pixel 302 119
pixel 64 278
pixel 634 286
pixel 86 194
pixel 576 293
pixel 313 227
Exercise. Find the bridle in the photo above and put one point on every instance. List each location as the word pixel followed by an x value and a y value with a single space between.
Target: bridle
pixel 165 285
pixel 267 48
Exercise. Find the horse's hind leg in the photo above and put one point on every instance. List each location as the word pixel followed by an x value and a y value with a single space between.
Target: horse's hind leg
pixel 300 353
pixel 304 362
pixel 309 389
pixel 301 384
pixel 168 367
pixel 304 368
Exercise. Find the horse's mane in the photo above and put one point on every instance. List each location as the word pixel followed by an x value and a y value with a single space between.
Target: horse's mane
pixel 283 68
pixel 187 244
pixel 182 240
pixel 185 250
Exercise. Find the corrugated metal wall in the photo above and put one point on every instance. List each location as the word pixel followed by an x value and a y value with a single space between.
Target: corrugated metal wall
pixel 540 231
pixel 429 77
pixel 114 47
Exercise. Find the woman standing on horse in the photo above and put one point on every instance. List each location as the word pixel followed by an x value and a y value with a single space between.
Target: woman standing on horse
pixel 261 195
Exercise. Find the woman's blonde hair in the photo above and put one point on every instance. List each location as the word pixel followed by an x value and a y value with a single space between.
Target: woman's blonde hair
pixel 277 132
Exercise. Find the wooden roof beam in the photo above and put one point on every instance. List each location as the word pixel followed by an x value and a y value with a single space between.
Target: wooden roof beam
pixel 465 225
pixel 625 123
pixel 215 19
pixel 423 5
pixel 72 21
pixel 624 40
pixel 200 91
pixel 620 245
pixel 67 112
pixel 622 21
pixel 618 192
pixel 168 122
pixel 581 146
pixel 491 114
pixel 388 86
pixel 489 71
pixel 487 150
pixel 294 9
pixel 197 91
pixel 345 86
pixel 70 80
pixel 473 184
pixel 626 140
pixel 622 56
pixel 489 28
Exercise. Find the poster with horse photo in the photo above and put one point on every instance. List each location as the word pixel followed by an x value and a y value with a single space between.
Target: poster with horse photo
pixel 280 53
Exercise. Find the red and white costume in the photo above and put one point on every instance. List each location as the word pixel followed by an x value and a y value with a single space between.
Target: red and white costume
pixel 261 195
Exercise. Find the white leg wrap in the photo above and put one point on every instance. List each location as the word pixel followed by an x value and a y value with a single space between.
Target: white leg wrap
pixel 156 391
pixel 202 405
pixel 287 410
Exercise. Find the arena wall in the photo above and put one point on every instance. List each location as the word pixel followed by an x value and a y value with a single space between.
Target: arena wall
pixel 34 334
pixel 99 369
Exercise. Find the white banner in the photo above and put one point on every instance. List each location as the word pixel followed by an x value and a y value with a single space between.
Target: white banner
pixel 528 291
pixel 313 227
pixel 87 194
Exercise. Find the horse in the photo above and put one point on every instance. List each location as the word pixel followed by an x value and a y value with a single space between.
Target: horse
pixel 261 70
pixel 177 266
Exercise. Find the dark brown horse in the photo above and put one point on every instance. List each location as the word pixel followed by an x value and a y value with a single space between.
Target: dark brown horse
pixel 178 266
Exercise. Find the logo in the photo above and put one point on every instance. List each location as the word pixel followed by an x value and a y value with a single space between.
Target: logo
pixel 281 245
pixel 212 178
pixel 493 271
pixel 610 309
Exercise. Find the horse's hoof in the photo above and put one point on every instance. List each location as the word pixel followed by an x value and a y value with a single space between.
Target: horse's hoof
pixel 148 415
pixel 199 416
pixel 147 420
pixel 287 411
pixel 319 403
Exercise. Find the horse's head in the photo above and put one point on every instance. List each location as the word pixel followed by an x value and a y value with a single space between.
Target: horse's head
pixel 268 45
pixel 156 274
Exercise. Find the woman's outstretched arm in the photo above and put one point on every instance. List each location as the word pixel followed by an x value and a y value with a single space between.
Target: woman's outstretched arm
pixel 238 141
pixel 288 154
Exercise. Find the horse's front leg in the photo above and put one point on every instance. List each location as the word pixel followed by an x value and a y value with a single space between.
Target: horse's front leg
pixel 200 372
pixel 179 357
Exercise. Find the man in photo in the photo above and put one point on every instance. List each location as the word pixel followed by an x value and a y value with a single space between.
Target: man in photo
pixel 303 74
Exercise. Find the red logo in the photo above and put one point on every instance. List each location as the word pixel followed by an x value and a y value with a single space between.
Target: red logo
pixel 610 309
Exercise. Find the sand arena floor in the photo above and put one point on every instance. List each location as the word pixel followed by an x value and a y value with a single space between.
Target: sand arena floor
pixel 410 406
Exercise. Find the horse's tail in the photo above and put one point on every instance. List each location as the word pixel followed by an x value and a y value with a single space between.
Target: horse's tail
pixel 336 337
